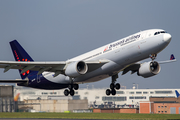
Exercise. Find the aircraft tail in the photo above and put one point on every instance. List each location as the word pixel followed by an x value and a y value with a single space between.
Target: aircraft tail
pixel 21 55
pixel 16 97
pixel 177 93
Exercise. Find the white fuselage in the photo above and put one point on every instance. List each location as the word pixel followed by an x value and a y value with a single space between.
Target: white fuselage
pixel 120 54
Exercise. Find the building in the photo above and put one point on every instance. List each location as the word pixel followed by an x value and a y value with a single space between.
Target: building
pixel 160 105
pixel 7 103
pixel 116 110
pixel 54 105
pixel 124 98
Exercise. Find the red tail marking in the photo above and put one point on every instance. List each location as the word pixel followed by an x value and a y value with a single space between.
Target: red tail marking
pixel 28 71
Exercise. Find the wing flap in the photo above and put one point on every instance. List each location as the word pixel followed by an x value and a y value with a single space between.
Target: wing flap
pixel 32 63
pixel 93 65
pixel 133 68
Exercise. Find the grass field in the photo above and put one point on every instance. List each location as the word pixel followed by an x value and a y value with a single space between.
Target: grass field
pixel 90 115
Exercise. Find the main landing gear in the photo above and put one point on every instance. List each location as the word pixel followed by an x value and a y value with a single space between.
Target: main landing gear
pixel 71 91
pixel 113 86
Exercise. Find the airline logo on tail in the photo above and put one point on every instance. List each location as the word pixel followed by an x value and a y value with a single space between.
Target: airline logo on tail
pixel 18 59
pixel 21 55
pixel 177 93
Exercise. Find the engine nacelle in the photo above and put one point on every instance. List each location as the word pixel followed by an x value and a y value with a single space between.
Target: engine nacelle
pixel 149 69
pixel 77 68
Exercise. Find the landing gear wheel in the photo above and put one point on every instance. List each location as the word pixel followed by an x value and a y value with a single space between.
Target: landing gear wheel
pixel 113 92
pixel 112 85
pixel 70 86
pixel 76 86
pixel 108 92
pixel 72 92
pixel 117 86
pixel 66 92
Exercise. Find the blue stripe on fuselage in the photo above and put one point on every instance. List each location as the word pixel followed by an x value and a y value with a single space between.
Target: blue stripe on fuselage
pixel 40 82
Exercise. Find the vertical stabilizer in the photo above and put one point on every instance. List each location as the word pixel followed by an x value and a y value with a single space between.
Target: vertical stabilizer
pixel 177 93
pixel 21 55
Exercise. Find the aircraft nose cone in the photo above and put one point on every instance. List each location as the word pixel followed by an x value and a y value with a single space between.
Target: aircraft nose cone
pixel 167 37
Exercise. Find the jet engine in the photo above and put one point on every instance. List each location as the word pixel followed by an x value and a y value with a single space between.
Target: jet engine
pixel 149 69
pixel 77 68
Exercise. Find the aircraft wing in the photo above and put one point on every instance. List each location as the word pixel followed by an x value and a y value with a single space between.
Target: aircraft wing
pixel 31 65
pixel 172 59
pixel 135 67
pixel 57 67
pixel 93 65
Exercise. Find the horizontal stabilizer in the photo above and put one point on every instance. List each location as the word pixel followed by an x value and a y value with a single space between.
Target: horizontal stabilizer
pixel 13 81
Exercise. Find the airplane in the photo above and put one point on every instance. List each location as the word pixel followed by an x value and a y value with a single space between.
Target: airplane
pixel 107 61
pixel 177 94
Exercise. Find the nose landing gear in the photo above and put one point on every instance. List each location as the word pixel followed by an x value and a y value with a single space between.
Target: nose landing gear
pixel 113 86
pixel 153 56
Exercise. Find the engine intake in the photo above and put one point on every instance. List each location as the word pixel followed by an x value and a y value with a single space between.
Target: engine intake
pixel 149 69
pixel 77 68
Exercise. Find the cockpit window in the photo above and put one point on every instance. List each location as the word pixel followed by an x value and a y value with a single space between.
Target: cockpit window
pixel 159 32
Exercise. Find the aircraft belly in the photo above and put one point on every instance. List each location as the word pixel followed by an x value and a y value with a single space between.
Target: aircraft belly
pixel 99 74
pixel 94 79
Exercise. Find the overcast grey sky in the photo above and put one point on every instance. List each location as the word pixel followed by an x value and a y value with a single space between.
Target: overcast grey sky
pixel 57 30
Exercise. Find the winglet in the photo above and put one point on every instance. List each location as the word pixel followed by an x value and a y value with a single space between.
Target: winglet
pixel 177 93
pixel 172 57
